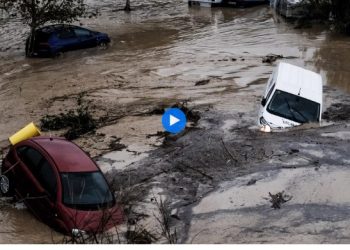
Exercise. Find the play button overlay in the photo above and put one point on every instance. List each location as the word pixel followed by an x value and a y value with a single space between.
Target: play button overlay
pixel 174 120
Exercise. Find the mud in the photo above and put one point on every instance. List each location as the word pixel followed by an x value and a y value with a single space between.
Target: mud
pixel 209 187
pixel 158 53
pixel 78 122
pixel 337 112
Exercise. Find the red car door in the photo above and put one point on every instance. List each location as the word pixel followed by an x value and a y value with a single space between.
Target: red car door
pixel 37 183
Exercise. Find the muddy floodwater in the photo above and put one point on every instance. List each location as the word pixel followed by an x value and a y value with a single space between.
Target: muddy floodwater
pixel 158 53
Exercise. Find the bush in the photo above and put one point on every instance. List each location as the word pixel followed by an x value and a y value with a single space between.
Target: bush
pixel 338 11
pixel 78 122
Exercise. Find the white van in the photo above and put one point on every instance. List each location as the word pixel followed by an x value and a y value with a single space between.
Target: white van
pixel 293 96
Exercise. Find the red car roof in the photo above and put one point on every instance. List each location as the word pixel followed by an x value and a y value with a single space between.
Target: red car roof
pixel 67 156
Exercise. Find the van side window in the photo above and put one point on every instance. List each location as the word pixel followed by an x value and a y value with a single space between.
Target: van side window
pixel 270 82
pixel 270 92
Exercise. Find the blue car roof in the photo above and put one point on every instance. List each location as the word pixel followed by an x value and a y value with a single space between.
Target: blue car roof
pixel 55 27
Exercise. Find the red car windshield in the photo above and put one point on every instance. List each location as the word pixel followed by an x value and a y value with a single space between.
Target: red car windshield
pixel 86 190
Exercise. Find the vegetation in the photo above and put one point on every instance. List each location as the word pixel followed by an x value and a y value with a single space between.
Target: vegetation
pixel 338 11
pixel 127 6
pixel 36 13
pixel 134 230
pixel 78 122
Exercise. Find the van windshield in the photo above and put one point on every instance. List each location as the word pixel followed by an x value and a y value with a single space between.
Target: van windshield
pixel 86 190
pixel 294 107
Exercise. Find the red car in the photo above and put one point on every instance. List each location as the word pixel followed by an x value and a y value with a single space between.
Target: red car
pixel 61 185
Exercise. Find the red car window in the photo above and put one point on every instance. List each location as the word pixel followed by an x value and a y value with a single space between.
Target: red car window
pixel 40 168
pixel 85 191
pixel 47 178
pixel 30 157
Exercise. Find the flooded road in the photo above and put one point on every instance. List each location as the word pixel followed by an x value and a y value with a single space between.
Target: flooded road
pixel 158 53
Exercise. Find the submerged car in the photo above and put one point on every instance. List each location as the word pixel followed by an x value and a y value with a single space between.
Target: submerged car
pixel 214 3
pixel 290 8
pixel 53 40
pixel 61 185
pixel 293 96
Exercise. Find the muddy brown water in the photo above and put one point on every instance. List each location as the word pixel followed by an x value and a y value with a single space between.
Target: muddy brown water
pixel 157 54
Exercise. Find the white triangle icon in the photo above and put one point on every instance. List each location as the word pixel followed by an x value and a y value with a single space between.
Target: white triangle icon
pixel 173 120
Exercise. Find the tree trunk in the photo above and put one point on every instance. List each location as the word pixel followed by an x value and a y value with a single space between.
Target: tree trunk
pixel 127 6
pixel 33 25
pixel 30 44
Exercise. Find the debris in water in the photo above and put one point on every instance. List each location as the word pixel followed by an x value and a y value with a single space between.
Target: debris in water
pixel 278 199
pixel 294 151
pixel 140 236
pixel 78 122
pixel 270 58
pixel 20 206
pixel 337 112
pixel 115 145
pixel 202 82
pixel 191 115
pixel 265 128
pixel 251 182
pixel 159 134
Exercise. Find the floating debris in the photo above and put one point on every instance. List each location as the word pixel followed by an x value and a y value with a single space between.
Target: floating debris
pixel 202 82
pixel 278 199
pixel 78 122
pixel 251 182
pixel 270 58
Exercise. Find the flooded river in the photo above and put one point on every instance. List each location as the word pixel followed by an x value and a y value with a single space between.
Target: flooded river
pixel 158 52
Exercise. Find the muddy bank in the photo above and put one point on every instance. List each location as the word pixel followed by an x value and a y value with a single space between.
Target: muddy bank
pixel 219 178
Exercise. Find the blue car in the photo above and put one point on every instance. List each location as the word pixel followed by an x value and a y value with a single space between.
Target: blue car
pixel 53 40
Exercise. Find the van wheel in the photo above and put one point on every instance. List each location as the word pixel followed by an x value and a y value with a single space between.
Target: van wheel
pixel 6 186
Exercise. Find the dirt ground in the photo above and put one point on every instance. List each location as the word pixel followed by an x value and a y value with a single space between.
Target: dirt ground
pixel 218 173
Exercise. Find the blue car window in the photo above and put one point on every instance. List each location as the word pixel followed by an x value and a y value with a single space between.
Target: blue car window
pixel 82 32
pixel 66 34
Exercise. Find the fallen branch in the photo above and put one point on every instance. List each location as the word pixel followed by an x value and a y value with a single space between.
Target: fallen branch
pixel 197 170
pixel 226 149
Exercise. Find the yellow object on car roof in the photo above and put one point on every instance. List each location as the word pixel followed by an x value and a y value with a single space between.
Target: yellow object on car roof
pixel 25 133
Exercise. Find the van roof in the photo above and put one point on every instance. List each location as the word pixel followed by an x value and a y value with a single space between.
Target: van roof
pixel 299 81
